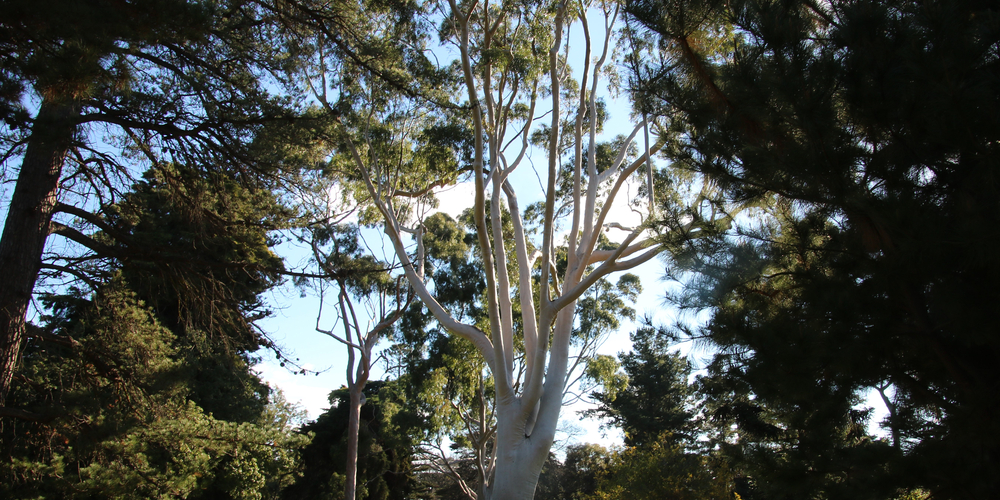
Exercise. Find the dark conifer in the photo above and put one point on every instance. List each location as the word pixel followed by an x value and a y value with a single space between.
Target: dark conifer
pixel 866 132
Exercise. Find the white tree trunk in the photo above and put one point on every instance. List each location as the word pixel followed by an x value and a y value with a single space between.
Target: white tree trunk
pixel 528 409
pixel 353 426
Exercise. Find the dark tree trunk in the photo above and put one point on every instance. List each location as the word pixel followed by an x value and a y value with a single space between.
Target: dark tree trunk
pixel 27 225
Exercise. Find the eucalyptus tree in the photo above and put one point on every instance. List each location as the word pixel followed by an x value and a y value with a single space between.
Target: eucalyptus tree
pixel 368 302
pixel 513 78
pixel 452 385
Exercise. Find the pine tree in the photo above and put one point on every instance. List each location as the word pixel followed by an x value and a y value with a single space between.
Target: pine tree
pixel 122 87
pixel 657 400
pixel 865 132
pixel 145 383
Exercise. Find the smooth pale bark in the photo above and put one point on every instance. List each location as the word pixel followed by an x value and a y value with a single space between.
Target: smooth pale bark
pixel 353 426
pixel 358 370
pixel 527 409
pixel 518 466
pixel 28 223
pixel 357 378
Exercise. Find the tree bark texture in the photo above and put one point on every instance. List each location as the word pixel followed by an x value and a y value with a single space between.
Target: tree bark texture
pixel 518 483
pixel 353 426
pixel 519 458
pixel 527 409
pixel 27 225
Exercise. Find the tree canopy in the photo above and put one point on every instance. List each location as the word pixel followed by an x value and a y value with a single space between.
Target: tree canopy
pixel 818 176
pixel 142 388
pixel 866 133
pixel 97 92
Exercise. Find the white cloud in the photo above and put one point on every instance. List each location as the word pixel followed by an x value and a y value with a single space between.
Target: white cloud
pixel 452 200
pixel 309 391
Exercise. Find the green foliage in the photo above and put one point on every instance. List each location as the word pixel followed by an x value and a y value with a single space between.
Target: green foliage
pixel 603 370
pixel 603 308
pixel 385 449
pixel 445 240
pixel 446 374
pixel 659 469
pixel 122 88
pixel 458 281
pixel 191 233
pixel 177 78
pixel 196 249
pixel 866 133
pixel 551 481
pixel 656 403
pixel 143 389
pixel 777 449
pixel 69 54
pixel 361 273
pixel 443 377
pixel 115 420
pixel 584 465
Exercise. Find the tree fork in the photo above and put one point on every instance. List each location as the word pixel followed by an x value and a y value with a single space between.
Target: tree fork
pixel 27 224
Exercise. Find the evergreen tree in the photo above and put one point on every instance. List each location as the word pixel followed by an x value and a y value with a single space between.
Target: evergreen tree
pixel 385 450
pixel 865 132
pixel 196 249
pixel 143 388
pixel 671 449
pixel 120 87
pixel 657 399
pixel 110 393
